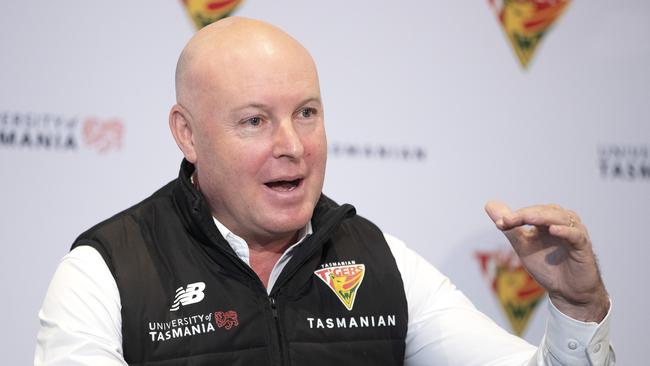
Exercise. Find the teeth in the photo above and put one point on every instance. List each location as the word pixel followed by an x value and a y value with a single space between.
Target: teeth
pixel 284 186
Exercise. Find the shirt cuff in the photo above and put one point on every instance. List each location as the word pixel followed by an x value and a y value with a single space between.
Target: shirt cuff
pixel 577 342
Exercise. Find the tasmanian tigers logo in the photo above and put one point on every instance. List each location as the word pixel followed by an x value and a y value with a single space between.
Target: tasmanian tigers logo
pixel 525 22
pixel 344 281
pixel 516 290
pixel 205 12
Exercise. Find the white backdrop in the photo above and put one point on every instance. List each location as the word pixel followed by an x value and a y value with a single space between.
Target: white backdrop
pixel 436 79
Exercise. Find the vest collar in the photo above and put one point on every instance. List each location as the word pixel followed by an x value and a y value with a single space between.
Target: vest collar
pixel 198 220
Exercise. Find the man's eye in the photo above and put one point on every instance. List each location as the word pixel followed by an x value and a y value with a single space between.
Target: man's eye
pixel 253 121
pixel 307 112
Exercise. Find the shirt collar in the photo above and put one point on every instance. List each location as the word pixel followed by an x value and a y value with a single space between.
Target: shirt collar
pixel 240 246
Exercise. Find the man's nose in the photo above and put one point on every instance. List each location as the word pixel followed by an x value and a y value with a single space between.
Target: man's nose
pixel 287 141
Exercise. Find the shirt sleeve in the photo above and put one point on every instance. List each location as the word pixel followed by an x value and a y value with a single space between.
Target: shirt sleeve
pixel 80 320
pixel 445 328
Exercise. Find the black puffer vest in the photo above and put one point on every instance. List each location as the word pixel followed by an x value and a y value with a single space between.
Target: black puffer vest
pixel 187 299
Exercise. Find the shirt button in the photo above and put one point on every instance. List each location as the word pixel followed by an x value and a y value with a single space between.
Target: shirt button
pixel 596 348
pixel 573 345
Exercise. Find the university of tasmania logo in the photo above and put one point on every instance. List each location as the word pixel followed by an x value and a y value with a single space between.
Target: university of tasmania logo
pixel 204 12
pixel 516 290
pixel 226 319
pixel 525 22
pixel 344 280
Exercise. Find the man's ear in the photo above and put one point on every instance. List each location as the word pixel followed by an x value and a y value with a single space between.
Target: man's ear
pixel 179 123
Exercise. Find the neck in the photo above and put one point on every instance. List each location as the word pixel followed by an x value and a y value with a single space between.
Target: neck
pixel 276 245
pixel 264 251
pixel 264 256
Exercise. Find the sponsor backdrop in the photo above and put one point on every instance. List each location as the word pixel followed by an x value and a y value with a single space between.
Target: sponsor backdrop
pixel 432 108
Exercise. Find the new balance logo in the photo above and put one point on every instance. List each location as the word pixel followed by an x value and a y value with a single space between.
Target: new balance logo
pixel 192 294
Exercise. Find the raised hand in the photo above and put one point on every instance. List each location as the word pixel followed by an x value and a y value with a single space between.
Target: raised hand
pixel 555 249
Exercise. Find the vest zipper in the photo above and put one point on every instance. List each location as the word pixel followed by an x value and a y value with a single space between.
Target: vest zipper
pixel 274 310
pixel 325 233
pixel 278 332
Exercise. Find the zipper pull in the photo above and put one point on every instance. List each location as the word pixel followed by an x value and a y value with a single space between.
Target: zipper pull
pixel 274 309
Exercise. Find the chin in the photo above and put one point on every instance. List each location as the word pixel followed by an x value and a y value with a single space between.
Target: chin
pixel 286 221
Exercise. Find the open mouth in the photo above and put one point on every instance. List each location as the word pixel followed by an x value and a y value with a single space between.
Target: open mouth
pixel 284 185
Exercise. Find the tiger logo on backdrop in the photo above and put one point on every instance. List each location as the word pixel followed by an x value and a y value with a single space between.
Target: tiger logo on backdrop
pixel 343 280
pixel 525 22
pixel 205 12
pixel 517 292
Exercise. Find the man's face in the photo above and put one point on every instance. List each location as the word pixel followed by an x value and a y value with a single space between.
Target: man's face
pixel 260 141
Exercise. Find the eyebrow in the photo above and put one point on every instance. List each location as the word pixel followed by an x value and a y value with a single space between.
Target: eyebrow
pixel 266 107
pixel 251 105
pixel 312 99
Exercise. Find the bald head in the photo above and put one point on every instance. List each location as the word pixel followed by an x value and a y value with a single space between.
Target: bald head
pixel 249 117
pixel 227 47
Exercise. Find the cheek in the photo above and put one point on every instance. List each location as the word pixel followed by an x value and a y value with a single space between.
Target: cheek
pixel 315 145
pixel 316 159
pixel 247 162
pixel 219 160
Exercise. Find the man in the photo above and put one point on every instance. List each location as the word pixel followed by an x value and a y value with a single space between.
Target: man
pixel 243 261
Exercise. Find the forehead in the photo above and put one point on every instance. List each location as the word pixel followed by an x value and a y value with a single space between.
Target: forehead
pixel 241 67
pixel 258 71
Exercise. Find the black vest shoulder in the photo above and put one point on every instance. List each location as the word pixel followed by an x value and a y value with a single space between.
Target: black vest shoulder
pixel 188 299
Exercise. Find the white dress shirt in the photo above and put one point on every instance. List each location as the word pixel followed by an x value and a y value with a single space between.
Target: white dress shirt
pixel 81 318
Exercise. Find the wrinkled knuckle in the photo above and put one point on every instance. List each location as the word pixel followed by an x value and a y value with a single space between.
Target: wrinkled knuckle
pixel 573 214
pixel 585 232
pixel 536 214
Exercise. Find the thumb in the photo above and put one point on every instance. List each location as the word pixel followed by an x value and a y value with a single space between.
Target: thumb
pixel 496 210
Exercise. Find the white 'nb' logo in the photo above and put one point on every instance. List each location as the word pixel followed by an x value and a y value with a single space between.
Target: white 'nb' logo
pixel 192 294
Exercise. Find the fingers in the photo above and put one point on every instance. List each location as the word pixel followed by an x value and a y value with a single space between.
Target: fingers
pixel 552 219
pixel 541 215
pixel 575 235
pixel 496 210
